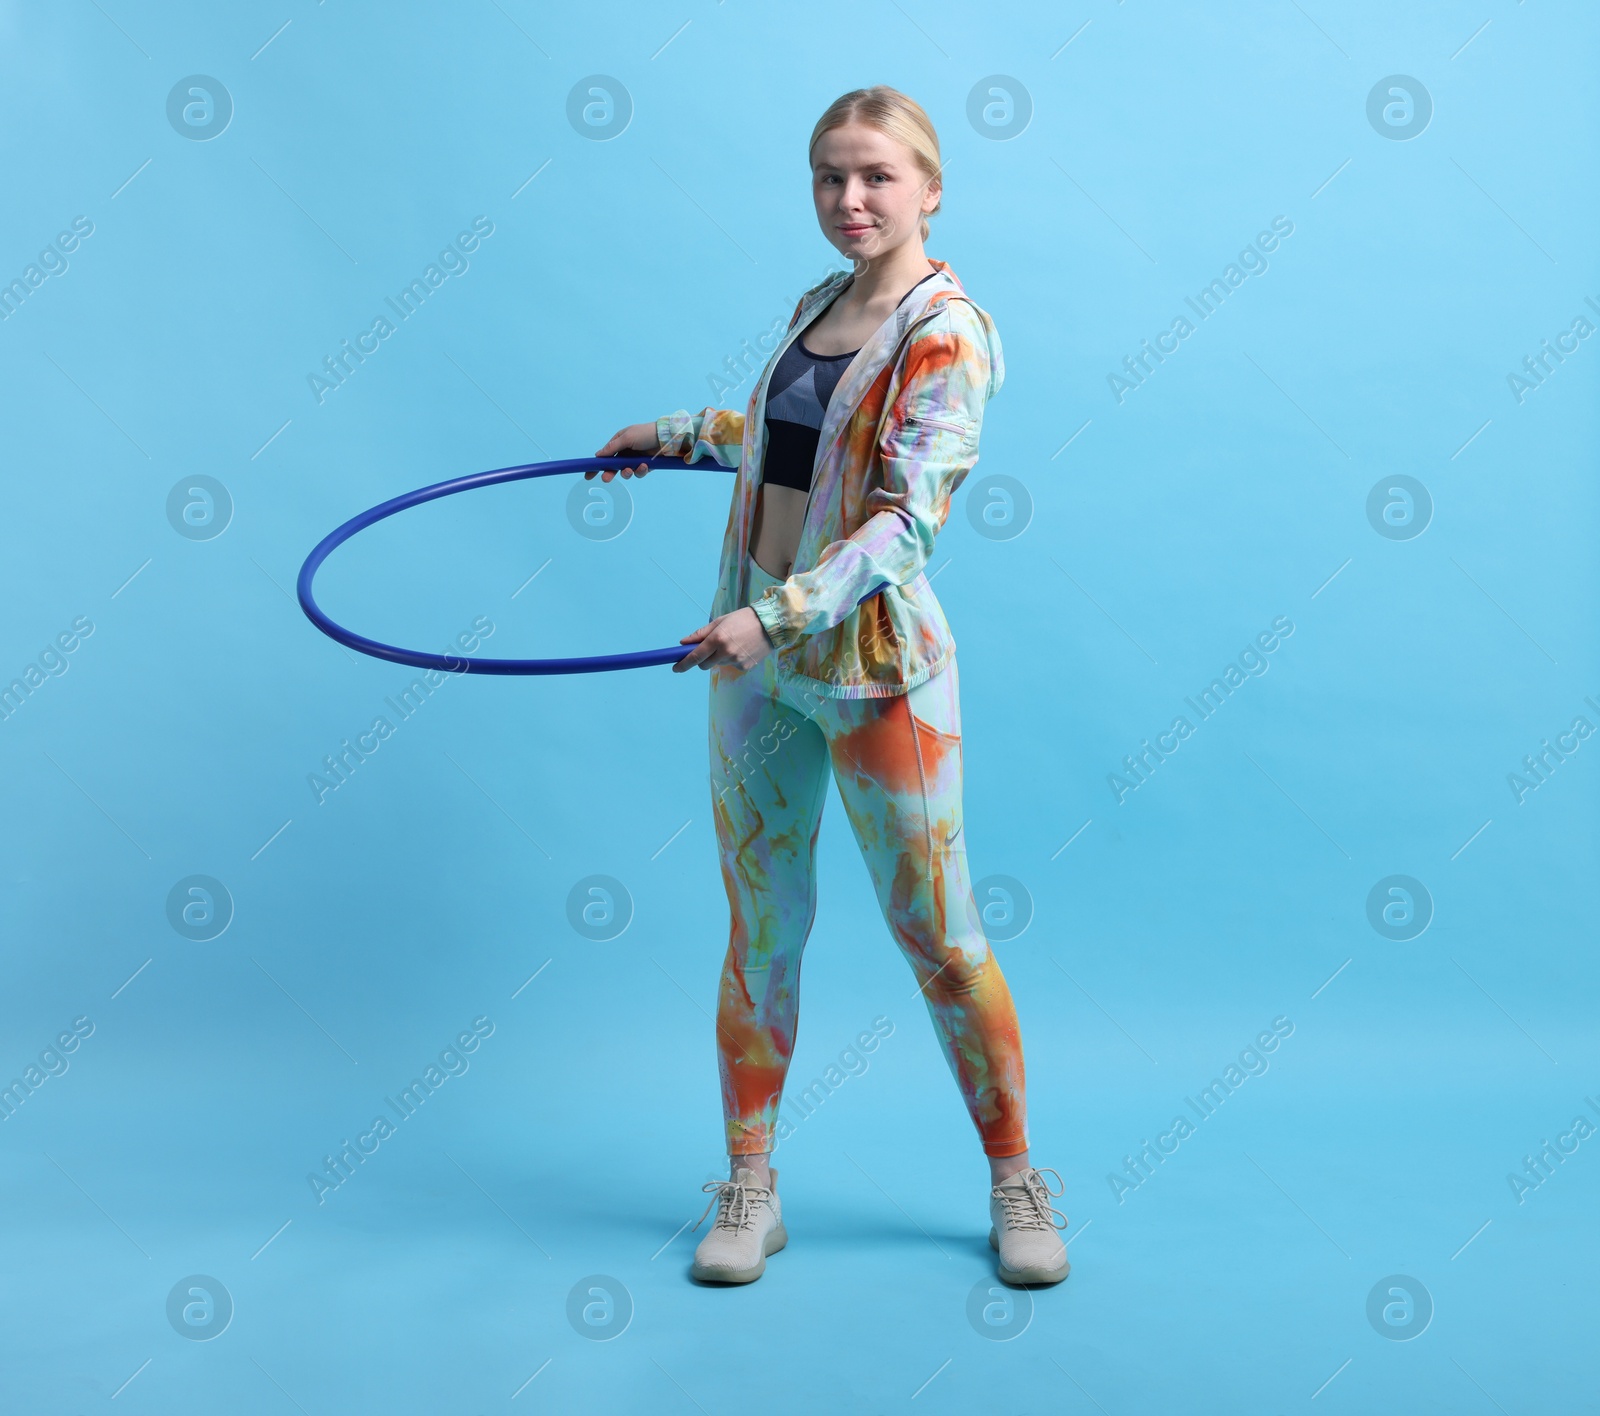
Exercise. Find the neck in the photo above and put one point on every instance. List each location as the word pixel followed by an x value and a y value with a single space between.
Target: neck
pixel 890 275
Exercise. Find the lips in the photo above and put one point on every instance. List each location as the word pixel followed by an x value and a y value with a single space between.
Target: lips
pixel 859 230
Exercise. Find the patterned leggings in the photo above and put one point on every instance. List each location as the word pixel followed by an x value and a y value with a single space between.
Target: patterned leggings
pixel 898 765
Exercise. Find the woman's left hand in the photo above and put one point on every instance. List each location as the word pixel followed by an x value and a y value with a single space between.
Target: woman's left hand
pixel 739 639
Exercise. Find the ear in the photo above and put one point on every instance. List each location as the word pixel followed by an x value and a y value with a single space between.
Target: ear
pixel 931 194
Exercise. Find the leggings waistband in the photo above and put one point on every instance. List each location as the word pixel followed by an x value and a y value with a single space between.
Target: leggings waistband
pixel 759 579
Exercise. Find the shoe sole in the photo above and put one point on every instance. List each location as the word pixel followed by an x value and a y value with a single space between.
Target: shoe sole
pixel 774 1241
pixel 1035 1274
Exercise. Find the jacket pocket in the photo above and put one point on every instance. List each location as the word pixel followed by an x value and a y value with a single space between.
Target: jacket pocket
pixel 965 429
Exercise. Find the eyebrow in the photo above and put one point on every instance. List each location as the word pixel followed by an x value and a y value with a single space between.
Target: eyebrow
pixel 887 163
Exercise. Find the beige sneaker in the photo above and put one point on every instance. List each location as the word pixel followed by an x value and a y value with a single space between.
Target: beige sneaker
pixel 1024 1228
pixel 748 1227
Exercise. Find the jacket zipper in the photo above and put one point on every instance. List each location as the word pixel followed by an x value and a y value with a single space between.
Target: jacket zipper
pixel 940 423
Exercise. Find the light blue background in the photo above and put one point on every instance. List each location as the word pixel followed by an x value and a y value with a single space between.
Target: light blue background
pixel 1225 892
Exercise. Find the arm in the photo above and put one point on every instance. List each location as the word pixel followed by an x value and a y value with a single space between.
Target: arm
pixel 928 442
pixel 717 433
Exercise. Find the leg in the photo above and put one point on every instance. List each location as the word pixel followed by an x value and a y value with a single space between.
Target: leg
pixel 769 775
pixel 898 765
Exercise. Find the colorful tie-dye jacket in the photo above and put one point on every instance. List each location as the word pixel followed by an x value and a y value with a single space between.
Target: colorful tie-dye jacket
pixel 899 437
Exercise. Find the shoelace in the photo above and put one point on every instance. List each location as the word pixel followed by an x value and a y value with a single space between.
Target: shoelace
pixel 738 1203
pixel 1030 1207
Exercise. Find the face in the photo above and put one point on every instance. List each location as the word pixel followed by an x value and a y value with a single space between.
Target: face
pixel 869 191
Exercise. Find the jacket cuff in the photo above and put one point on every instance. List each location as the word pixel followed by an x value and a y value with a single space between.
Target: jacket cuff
pixel 673 433
pixel 769 610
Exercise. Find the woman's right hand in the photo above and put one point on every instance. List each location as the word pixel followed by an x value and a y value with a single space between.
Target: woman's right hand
pixel 636 437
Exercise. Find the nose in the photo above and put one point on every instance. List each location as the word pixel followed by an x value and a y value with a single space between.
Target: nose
pixel 852 194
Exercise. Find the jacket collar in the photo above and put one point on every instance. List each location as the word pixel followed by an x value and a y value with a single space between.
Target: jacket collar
pixel 924 300
pixel 940 288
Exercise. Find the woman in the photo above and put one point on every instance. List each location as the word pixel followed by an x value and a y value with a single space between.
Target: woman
pixel 827 648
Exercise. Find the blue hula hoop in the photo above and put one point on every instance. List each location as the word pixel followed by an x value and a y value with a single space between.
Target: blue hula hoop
pixel 460 663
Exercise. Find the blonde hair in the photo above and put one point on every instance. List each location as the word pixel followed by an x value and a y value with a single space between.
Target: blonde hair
pixel 896 116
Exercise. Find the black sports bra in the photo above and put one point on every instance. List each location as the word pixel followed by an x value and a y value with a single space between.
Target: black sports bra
pixel 798 395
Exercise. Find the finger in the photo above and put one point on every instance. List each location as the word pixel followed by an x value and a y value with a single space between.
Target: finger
pixel 712 652
pixel 707 648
